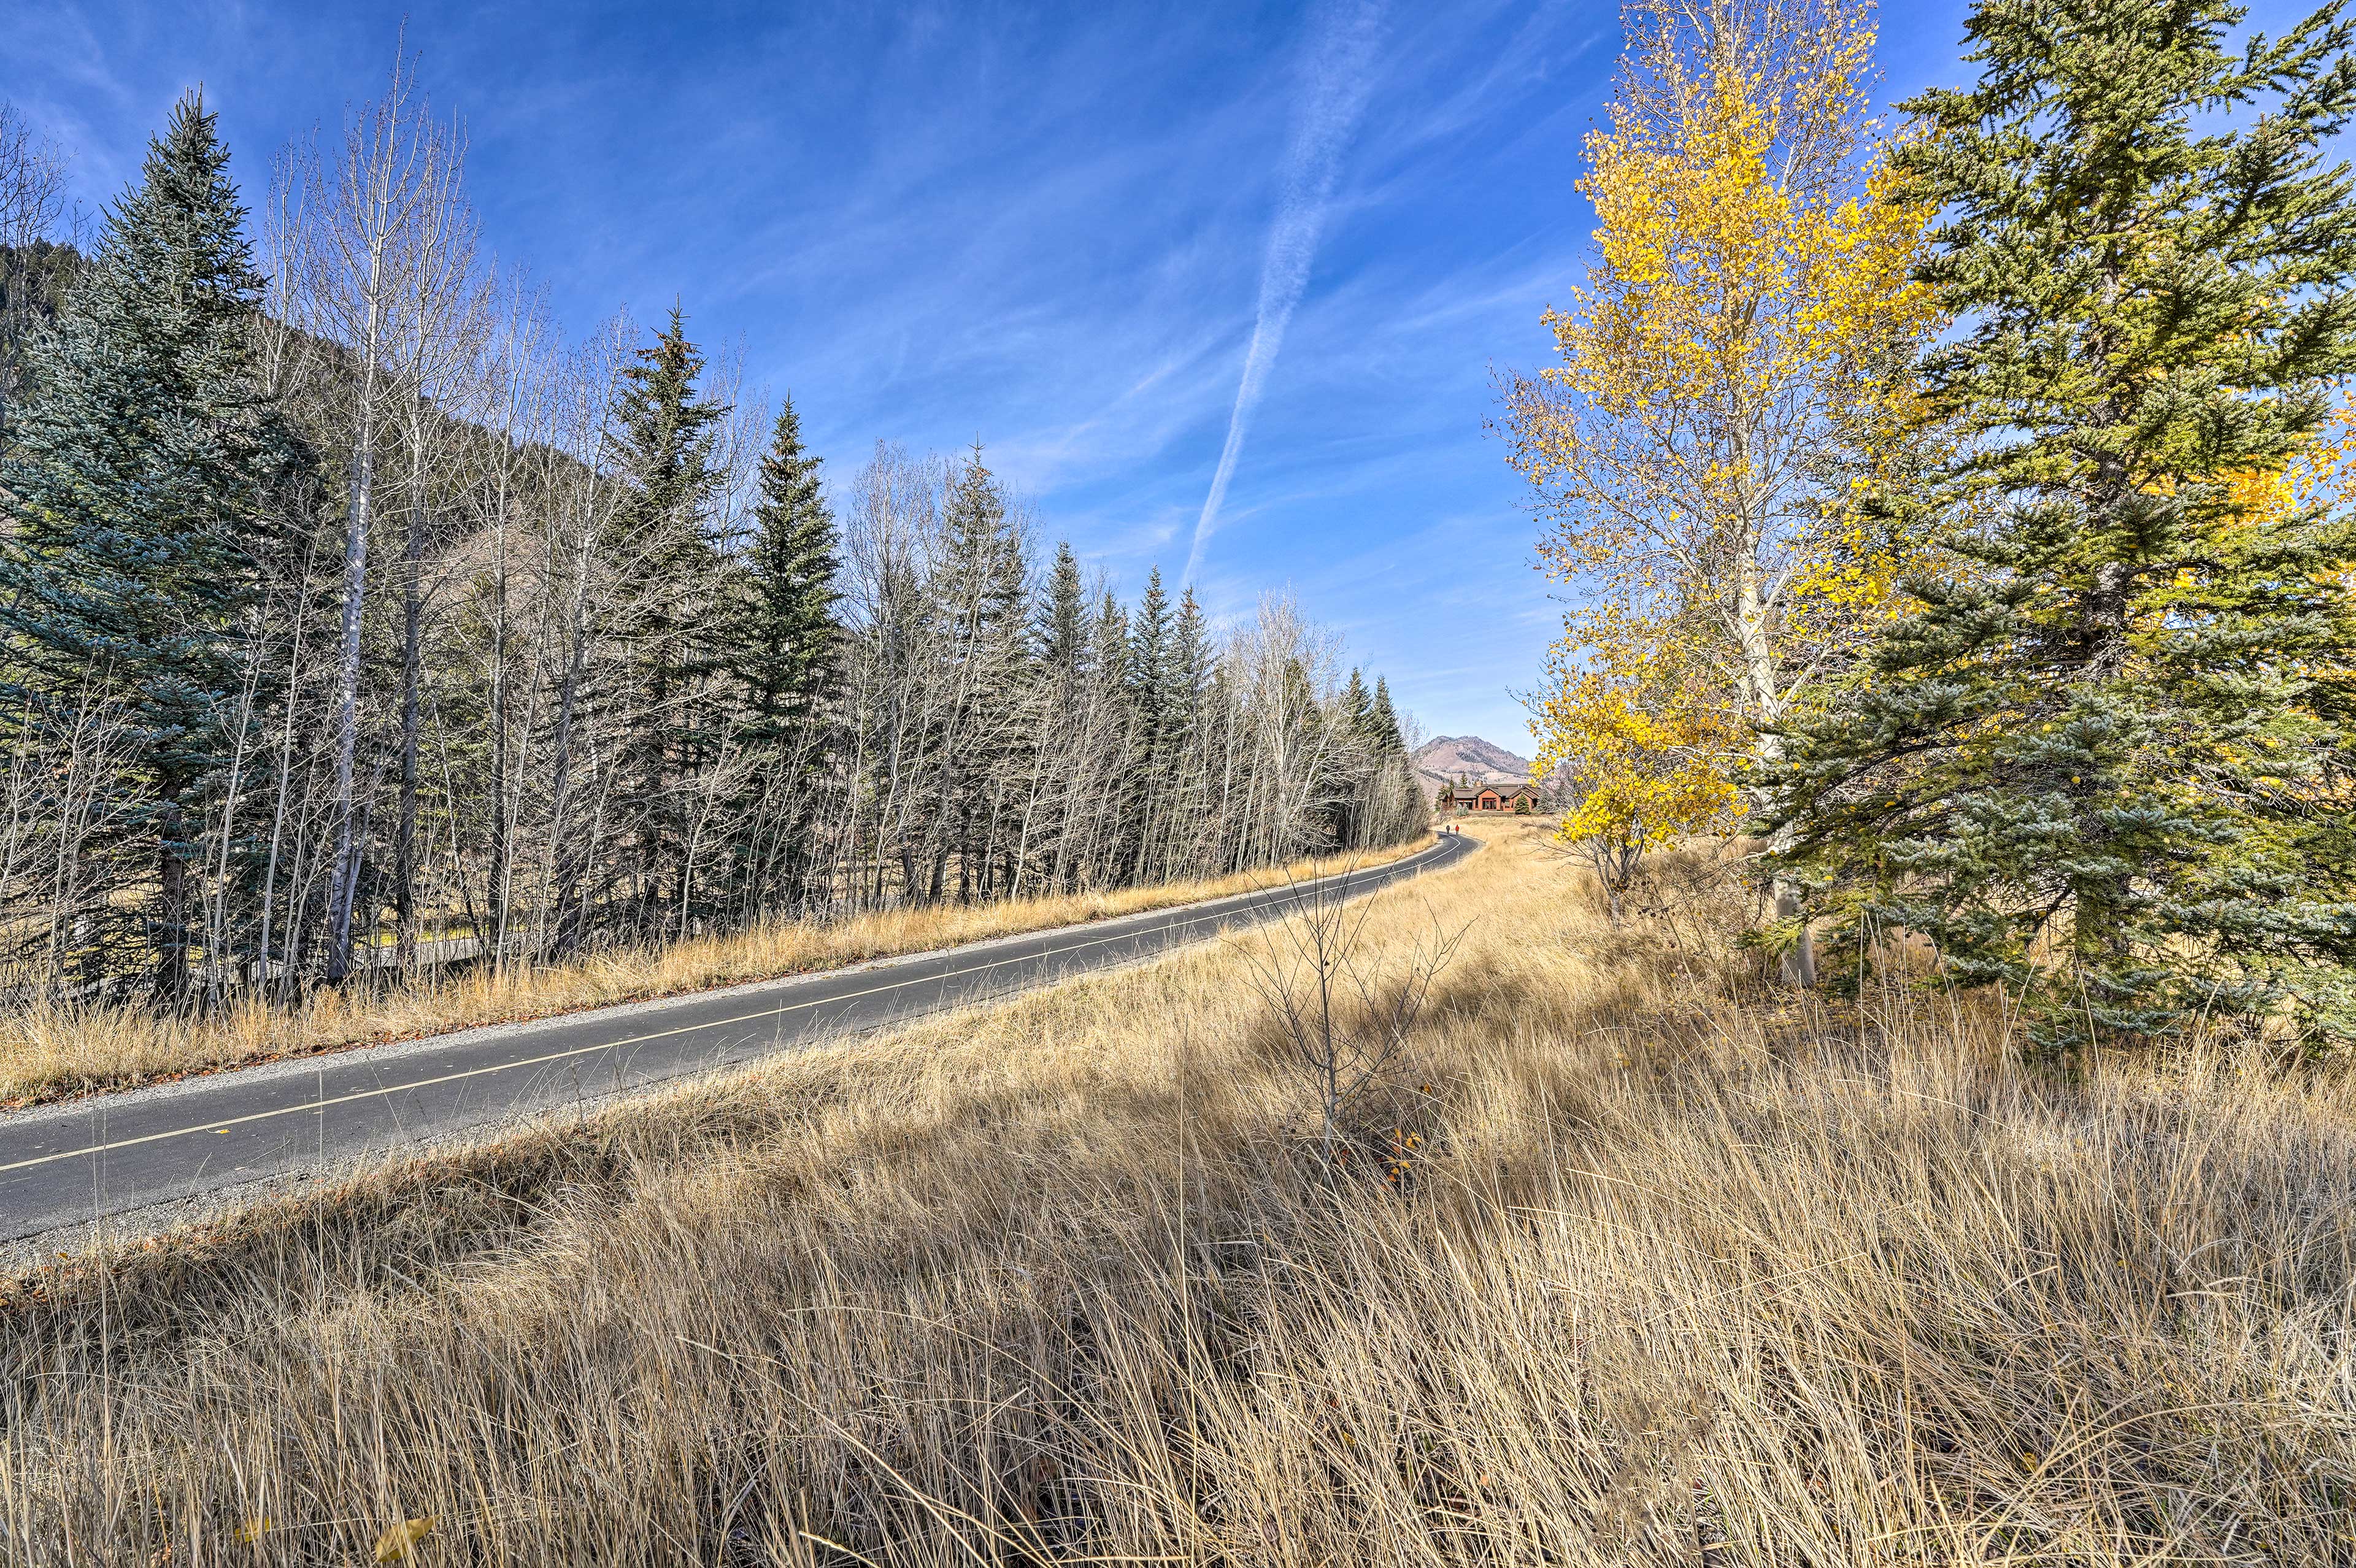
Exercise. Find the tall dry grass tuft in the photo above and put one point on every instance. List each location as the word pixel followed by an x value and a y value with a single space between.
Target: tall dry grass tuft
pixel 50 1051
pixel 1679 1277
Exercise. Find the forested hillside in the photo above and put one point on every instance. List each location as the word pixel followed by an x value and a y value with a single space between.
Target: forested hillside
pixel 352 618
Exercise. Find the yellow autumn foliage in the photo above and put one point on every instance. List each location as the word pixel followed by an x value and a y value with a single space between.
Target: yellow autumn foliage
pixel 2321 475
pixel 1657 776
pixel 1731 384
pixel 399 1540
pixel 1646 746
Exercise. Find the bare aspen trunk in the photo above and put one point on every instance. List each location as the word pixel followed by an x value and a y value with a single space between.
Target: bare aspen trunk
pixel 387 259
pixel 216 917
pixel 495 881
pixel 564 875
pixel 1798 963
pixel 172 896
pixel 412 634
pixel 346 871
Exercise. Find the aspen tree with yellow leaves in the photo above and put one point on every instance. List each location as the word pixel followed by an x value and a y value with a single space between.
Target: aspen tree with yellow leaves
pixel 1730 371
pixel 1644 740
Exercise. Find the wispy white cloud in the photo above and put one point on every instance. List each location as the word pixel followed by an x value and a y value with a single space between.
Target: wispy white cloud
pixel 1040 226
pixel 1339 75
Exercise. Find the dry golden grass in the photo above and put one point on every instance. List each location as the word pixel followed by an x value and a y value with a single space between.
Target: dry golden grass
pixel 53 1051
pixel 1676 1276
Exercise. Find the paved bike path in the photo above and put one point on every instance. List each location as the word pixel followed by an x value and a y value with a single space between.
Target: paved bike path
pixel 83 1161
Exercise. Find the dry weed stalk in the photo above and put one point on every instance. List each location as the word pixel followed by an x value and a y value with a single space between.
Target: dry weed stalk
pixel 1344 1021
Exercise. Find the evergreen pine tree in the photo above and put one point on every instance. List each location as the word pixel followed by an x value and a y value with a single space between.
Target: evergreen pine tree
pixel 1390 738
pixel 661 542
pixel 1061 629
pixel 665 433
pixel 784 647
pixel 1063 616
pixel 2109 770
pixel 982 582
pixel 1358 709
pixel 1190 662
pixel 1115 698
pixel 1188 723
pixel 1108 649
pixel 982 593
pixel 1148 669
pixel 1155 705
pixel 785 637
pixel 136 491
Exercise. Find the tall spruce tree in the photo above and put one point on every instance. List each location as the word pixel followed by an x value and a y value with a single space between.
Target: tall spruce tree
pixel 1353 716
pixel 982 592
pixel 1155 705
pixel 1148 670
pixel 1191 656
pixel 1109 652
pixel 783 644
pixel 1358 709
pixel 981 584
pixel 783 648
pixel 1064 615
pixel 660 541
pixel 1385 721
pixel 1115 700
pixel 138 491
pixel 2109 767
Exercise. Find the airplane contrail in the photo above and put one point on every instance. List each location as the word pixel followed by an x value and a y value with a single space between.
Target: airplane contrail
pixel 1339 74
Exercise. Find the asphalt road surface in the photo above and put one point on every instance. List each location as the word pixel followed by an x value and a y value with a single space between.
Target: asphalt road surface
pixel 84 1162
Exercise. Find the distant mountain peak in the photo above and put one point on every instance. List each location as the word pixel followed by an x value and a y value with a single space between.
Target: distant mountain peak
pixel 1445 759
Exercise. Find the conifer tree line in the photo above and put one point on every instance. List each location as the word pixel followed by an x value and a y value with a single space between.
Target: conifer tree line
pixel 2059 616
pixel 352 621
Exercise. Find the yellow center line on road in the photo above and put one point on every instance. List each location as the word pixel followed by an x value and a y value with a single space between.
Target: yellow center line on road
pixel 311 1105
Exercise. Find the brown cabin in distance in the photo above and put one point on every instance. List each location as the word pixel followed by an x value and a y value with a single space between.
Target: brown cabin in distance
pixel 1521 797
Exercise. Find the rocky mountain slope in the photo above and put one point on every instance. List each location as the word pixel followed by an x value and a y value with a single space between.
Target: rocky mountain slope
pixel 1446 758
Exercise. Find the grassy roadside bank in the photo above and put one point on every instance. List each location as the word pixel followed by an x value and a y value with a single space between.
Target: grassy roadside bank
pixel 1671 1273
pixel 52 1053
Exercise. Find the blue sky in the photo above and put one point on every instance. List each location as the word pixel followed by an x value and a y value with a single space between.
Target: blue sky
pixel 1064 230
